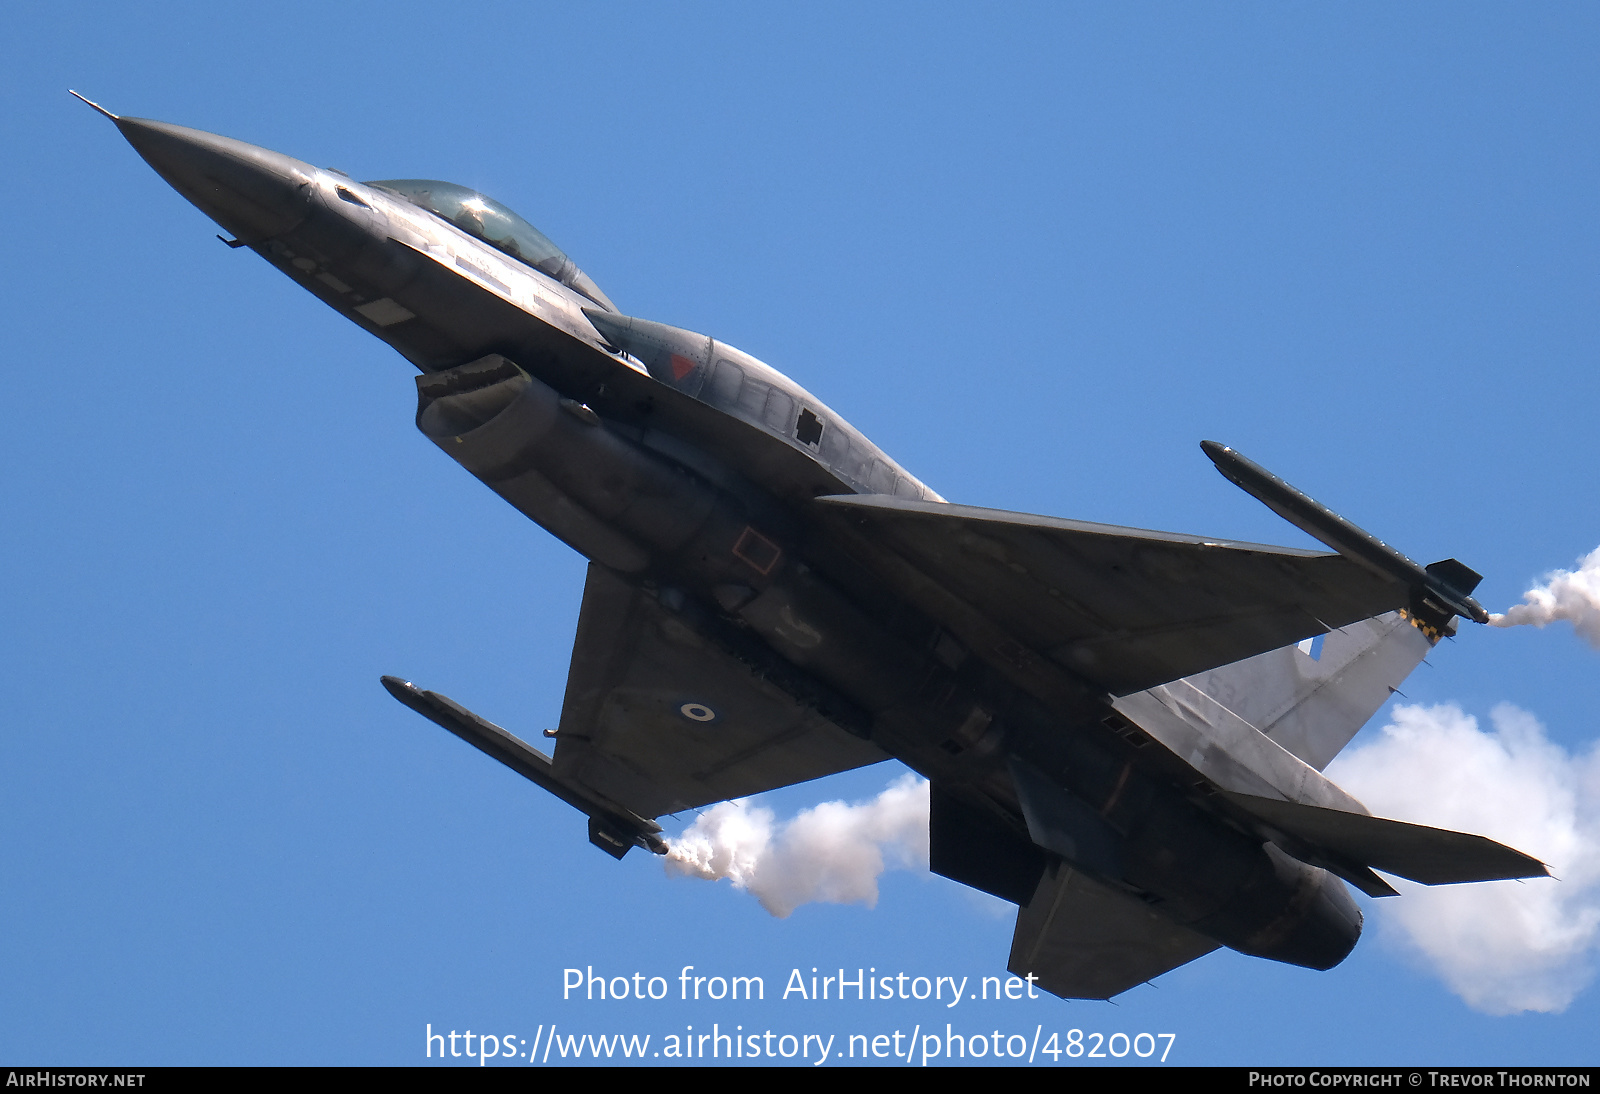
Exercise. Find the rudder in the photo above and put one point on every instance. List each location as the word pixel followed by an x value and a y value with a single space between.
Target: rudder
pixel 1313 697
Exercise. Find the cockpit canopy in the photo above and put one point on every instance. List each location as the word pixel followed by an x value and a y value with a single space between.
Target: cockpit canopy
pixel 488 220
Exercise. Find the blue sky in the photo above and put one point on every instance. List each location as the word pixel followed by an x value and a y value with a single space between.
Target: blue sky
pixel 1037 253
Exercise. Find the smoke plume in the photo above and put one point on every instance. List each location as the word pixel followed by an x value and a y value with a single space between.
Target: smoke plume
pixel 1503 946
pixel 832 852
pixel 1573 595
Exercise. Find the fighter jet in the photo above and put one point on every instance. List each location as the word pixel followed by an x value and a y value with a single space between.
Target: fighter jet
pixel 1124 730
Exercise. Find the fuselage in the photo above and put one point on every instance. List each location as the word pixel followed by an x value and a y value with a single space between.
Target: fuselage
pixel 691 468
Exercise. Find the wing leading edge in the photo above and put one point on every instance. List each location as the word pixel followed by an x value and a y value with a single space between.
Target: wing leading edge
pixel 665 713
pixel 1123 607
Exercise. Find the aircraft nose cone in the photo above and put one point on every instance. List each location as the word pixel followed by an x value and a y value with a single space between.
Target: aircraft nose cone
pixel 253 192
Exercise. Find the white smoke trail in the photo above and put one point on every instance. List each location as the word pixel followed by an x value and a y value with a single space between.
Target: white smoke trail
pixel 832 852
pixel 1502 946
pixel 1573 595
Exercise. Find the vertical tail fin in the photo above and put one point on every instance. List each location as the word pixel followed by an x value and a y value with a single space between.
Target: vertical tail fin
pixel 1311 698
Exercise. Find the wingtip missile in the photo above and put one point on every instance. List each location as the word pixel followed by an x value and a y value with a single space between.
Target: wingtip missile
pixel 611 828
pixel 1442 588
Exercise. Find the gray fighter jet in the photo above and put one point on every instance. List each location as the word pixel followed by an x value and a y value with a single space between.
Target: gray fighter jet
pixel 1124 730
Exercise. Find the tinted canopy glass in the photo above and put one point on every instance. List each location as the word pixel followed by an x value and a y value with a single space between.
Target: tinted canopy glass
pixel 482 216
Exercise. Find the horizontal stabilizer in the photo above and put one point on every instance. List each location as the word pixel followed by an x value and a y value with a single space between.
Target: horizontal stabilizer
pixel 1341 841
pixel 1083 940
